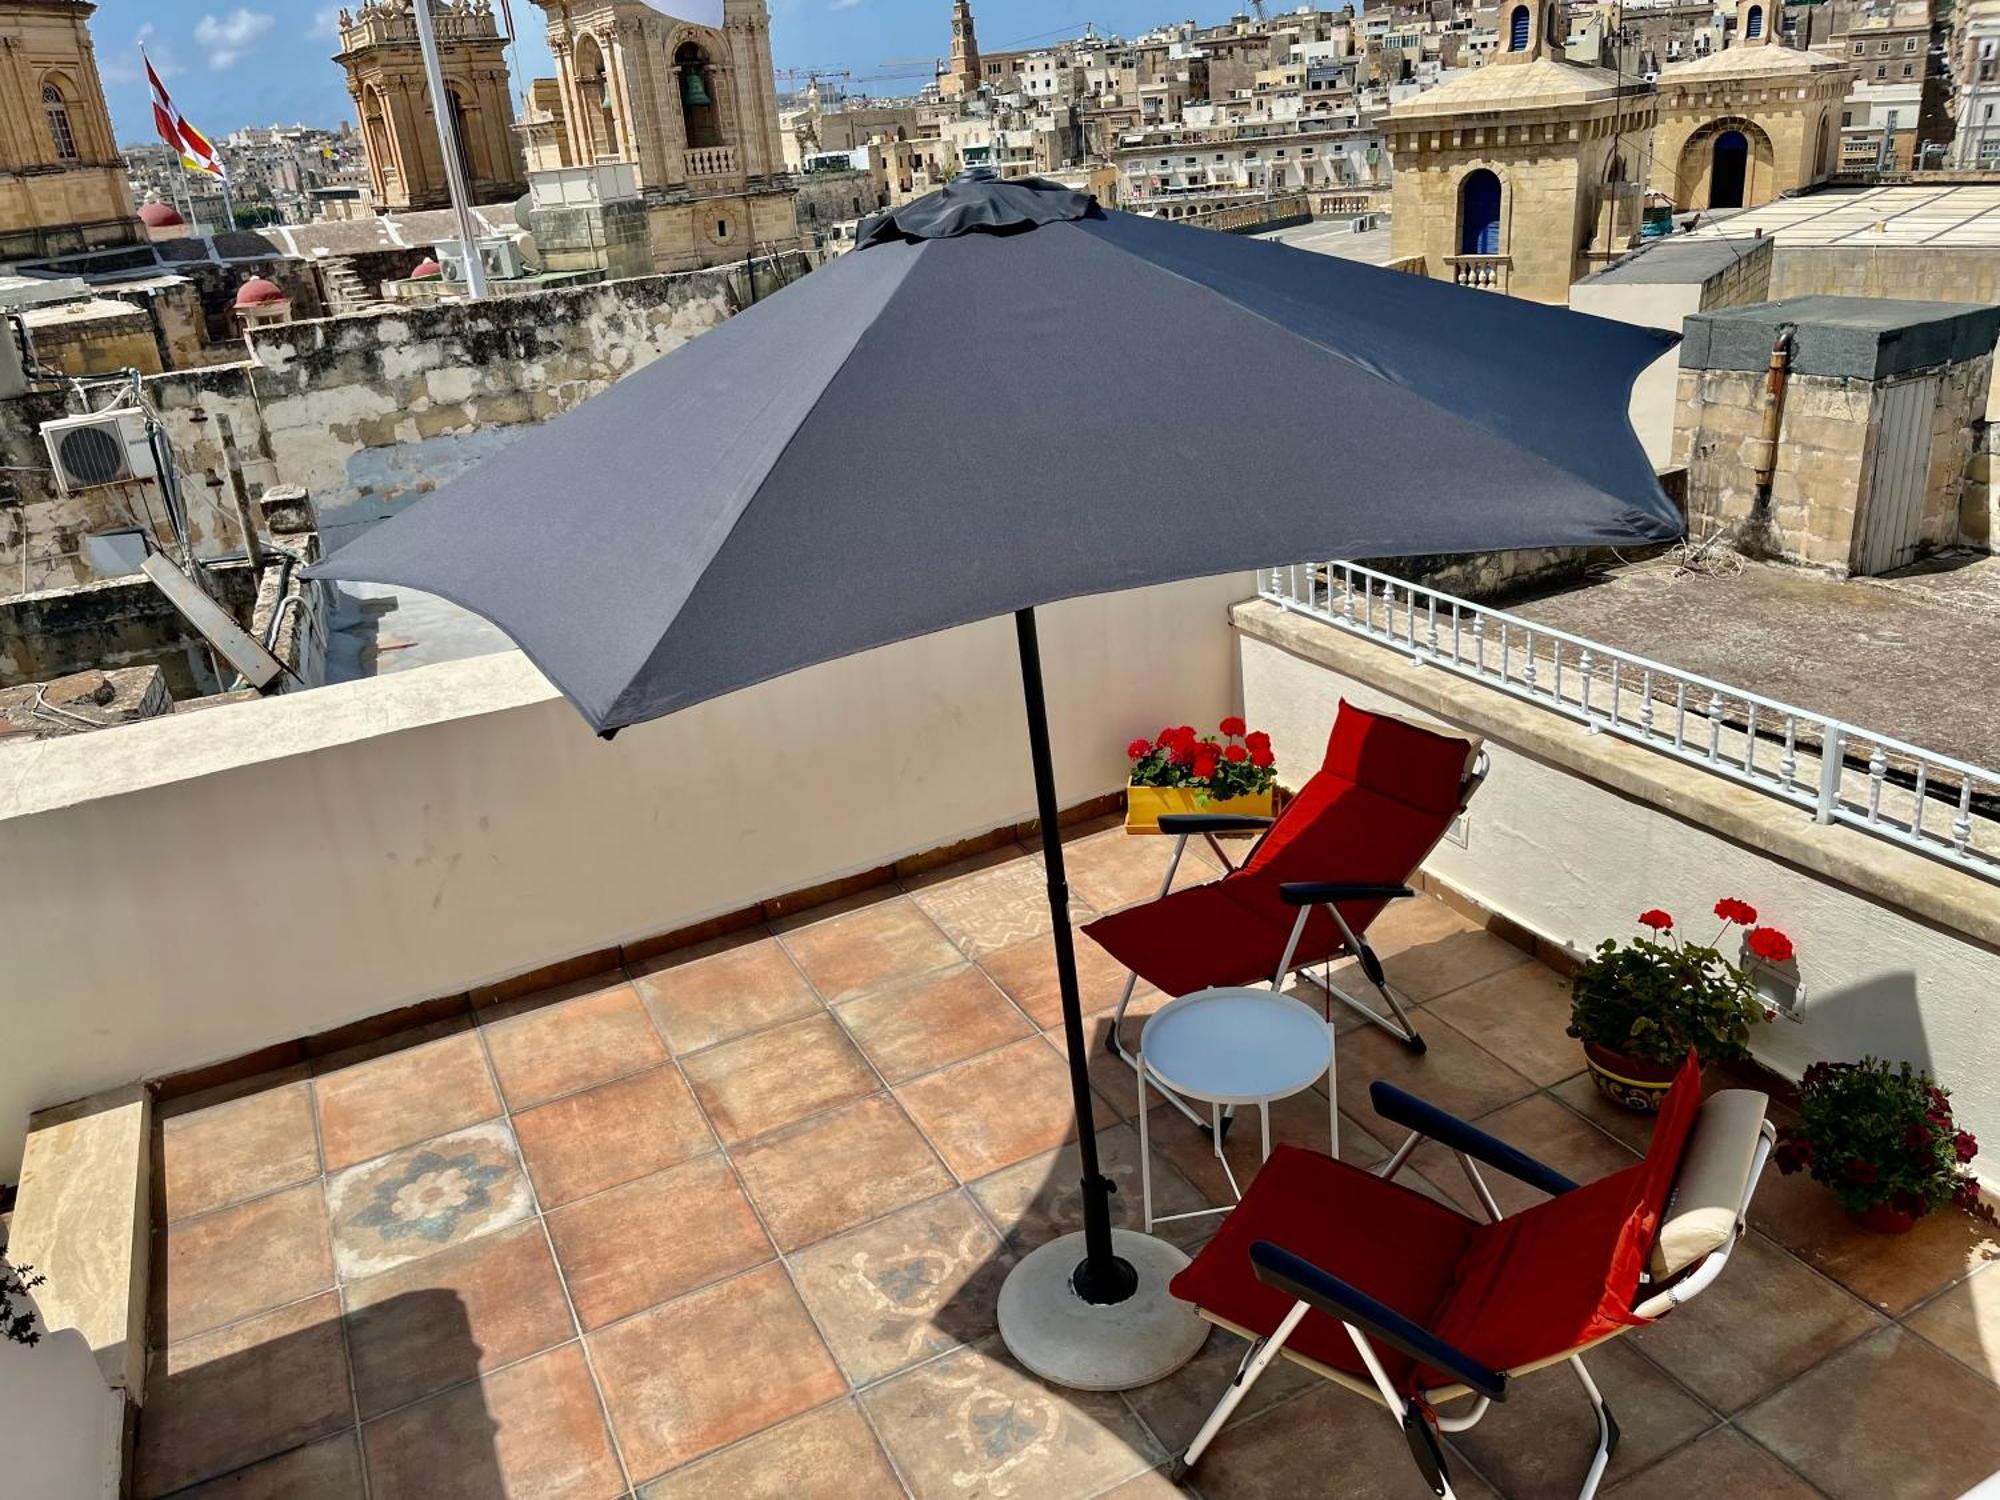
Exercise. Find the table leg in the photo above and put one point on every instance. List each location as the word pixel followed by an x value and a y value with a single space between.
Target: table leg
pixel 1145 1149
pixel 1264 1119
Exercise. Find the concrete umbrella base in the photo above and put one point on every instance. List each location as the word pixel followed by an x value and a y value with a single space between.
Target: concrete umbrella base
pixel 1088 1347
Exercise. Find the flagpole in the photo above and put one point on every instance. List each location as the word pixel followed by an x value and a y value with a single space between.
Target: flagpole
pixel 454 168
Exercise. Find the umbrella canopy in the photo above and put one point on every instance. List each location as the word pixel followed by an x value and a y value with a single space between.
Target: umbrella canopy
pixel 1007 396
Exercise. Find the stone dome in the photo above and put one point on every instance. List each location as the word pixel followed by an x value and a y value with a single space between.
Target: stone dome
pixel 257 292
pixel 158 215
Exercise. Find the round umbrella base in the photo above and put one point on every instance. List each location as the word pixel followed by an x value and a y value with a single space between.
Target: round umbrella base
pixel 1099 1347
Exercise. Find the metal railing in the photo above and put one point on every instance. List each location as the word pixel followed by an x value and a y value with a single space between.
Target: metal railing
pixel 1842 773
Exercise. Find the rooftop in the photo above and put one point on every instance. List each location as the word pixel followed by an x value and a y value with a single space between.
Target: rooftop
pixel 1951 215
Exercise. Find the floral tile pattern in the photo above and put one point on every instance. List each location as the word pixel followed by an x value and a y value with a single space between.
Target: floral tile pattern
pixel 426 1198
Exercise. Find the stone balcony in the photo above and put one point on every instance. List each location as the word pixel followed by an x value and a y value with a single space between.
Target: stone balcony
pixel 709 161
pixel 1487 272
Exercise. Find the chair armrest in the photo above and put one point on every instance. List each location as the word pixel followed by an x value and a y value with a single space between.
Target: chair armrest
pixel 1287 1273
pixel 1392 1103
pixel 1212 823
pixel 1312 892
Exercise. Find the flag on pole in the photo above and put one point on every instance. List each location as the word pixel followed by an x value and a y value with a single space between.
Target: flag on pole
pixel 193 148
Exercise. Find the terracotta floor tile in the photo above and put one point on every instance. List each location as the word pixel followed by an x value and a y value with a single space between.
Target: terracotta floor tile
pixel 1518 1015
pixel 1720 1462
pixel 1176 1407
pixel 722 989
pixel 425 1199
pixel 1892 1271
pixel 1766 1318
pixel 1965 1322
pixel 1300 1120
pixel 542 1049
pixel 533 1431
pixel 655 1239
pixel 1579 1093
pixel 613 1133
pixel 1113 868
pixel 1454 1073
pixel 995 908
pixel 396 1100
pixel 1428 950
pixel 829 1454
pixel 992 1111
pixel 247 1259
pixel 238 1150
pixel 1035 1200
pixel 329 1469
pixel 1890 1418
pixel 1547 1131
pixel 452 1316
pixel 1113 1078
pixel 756 1084
pixel 905 1287
pixel 1027 972
pixel 717 1365
pixel 974 1423
pixel 1327 1442
pixel 838 1169
pixel 227 1399
pixel 876 943
pixel 918 1025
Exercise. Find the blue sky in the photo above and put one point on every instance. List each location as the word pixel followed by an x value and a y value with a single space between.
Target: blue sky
pixel 268 61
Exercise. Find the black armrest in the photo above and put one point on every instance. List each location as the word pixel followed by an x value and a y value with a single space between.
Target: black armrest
pixel 1392 1103
pixel 1312 892
pixel 1302 1279
pixel 1212 823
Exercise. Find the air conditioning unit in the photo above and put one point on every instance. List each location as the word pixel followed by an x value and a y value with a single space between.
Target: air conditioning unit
pixel 1362 223
pixel 104 447
pixel 501 255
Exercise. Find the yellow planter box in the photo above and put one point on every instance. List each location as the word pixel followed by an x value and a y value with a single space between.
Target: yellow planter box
pixel 1144 804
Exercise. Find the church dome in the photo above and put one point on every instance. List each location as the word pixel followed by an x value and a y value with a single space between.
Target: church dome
pixel 257 292
pixel 160 216
pixel 426 269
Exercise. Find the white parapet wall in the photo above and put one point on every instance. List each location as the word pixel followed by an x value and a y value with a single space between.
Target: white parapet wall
pixel 1574 834
pixel 189 889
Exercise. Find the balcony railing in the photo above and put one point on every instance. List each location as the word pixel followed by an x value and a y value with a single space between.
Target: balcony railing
pixel 710 161
pixel 1487 272
pixel 1933 803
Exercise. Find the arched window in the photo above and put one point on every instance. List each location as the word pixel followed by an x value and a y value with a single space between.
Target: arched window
pixel 598 129
pixel 1730 167
pixel 1517 29
pixel 57 109
pixel 697 94
pixel 1753 22
pixel 375 139
pixel 460 132
pixel 1479 214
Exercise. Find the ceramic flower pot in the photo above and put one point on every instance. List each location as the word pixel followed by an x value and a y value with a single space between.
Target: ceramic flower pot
pixel 1882 1219
pixel 1145 804
pixel 1634 1083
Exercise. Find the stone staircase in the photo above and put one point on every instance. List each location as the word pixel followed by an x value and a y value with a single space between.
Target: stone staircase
pixel 346 292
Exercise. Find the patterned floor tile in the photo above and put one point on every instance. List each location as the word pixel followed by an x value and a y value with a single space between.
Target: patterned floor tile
pixel 877 942
pixel 1519 1015
pixel 616 1132
pixel 426 1198
pixel 757 1084
pixel 453 1316
pixel 329 1469
pixel 917 1025
pixel 994 908
pixel 722 989
pixel 839 1169
pixel 1721 1462
pixel 533 1431
pixel 1027 972
pixel 1176 1407
pixel 715 1366
pixel 400 1098
pixel 905 1287
pixel 230 1152
pixel 1111 868
pixel 997 1109
pixel 244 1260
pixel 656 1239
pixel 542 1048
pixel 829 1454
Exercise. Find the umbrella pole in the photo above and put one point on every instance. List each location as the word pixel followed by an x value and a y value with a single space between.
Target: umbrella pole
pixel 1102 1277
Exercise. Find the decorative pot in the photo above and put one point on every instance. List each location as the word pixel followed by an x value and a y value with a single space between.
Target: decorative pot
pixel 1634 1083
pixel 1144 804
pixel 1882 1219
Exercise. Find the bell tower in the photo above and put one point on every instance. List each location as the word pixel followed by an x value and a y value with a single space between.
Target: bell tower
pixel 963 77
pixel 747 23
pixel 1530 29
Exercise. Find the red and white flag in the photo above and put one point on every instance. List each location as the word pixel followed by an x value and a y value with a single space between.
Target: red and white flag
pixel 193 148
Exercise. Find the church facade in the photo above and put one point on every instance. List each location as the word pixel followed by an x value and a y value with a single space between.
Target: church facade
pixel 62 182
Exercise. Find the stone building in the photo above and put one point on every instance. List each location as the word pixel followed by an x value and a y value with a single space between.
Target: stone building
pixel 385 74
pixel 62 182
pixel 1747 124
pixel 693 109
pixel 1514 177
pixel 961 77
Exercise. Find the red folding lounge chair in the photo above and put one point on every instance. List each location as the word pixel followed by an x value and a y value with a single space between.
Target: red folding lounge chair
pixel 1413 1304
pixel 1341 850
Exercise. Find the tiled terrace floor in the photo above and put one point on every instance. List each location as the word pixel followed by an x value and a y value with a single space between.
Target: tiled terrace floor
pixel 732 1225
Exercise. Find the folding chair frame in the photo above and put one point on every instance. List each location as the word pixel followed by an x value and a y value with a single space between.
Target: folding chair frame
pixel 1305 895
pixel 1370 1323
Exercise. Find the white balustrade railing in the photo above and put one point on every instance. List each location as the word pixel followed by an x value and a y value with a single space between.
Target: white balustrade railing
pixel 1841 773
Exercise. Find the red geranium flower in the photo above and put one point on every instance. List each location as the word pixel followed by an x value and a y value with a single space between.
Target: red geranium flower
pixel 1770 944
pixel 1742 913
pixel 1656 919
pixel 1232 726
pixel 1139 749
pixel 1964 1146
pixel 1236 753
pixel 1260 755
pixel 1916 1136
pixel 1257 740
pixel 1180 752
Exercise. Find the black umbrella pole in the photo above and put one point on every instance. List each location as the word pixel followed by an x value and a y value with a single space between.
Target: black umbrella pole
pixel 1102 1277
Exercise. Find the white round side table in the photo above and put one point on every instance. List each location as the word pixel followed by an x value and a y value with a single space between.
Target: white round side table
pixel 1232 1047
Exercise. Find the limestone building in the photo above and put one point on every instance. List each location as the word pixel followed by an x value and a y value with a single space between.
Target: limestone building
pixel 1514 177
pixel 1747 124
pixel 399 135
pixel 961 78
pixel 62 182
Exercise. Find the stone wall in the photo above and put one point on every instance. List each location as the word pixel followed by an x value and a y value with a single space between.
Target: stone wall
pixel 1918 273
pixel 116 622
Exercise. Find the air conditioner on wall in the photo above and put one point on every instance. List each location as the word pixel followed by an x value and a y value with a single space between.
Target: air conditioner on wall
pixel 104 447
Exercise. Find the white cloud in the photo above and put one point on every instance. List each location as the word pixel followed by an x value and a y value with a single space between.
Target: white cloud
pixel 227 39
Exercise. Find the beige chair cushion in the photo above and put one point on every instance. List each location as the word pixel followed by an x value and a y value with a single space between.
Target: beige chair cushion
pixel 1708 1190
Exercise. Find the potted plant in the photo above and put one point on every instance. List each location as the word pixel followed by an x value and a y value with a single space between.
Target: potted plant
pixel 1881 1136
pixel 1178 771
pixel 1638 1006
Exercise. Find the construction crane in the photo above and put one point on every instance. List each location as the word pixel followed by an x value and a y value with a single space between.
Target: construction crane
pixel 791 78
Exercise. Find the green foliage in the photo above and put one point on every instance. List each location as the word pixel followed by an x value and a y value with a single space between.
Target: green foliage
pixel 1204 763
pixel 1881 1135
pixel 17 1313
pixel 1655 999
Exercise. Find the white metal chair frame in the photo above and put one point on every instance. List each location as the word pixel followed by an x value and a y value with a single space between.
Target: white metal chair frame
pixel 1419 1422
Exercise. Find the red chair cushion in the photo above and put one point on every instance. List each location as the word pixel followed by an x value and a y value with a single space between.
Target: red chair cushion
pixel 1392 1243
pixel 1197 937
pixel 1398 759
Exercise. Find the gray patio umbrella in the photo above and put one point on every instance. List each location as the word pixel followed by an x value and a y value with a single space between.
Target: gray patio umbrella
pixel 1002 397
